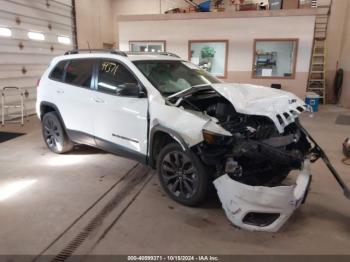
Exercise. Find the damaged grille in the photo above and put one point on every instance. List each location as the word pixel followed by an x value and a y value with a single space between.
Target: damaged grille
pixel 286 118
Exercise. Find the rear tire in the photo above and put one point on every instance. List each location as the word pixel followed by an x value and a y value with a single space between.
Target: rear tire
pixel 182 175
pixel 55 137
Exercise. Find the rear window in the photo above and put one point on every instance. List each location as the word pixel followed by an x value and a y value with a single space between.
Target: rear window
pixel 79 72
pixel 57 72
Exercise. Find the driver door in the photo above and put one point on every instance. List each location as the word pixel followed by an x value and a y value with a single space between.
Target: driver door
pixel 120 114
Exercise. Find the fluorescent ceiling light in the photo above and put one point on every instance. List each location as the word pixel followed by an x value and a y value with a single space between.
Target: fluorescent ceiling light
pixel 36 36
pixel 4 31
pixel 64 40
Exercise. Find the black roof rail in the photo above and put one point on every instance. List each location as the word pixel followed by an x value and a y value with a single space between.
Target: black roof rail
pixel 153 53
pixel 111 51
pixel 169 54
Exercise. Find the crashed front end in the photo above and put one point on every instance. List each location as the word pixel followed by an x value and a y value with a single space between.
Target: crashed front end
pixel 251 172
pixel 253 141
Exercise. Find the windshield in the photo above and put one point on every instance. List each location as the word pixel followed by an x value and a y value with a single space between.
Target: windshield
pixel 170 77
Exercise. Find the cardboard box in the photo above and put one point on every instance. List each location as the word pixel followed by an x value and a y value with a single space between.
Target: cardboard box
pixel 290 4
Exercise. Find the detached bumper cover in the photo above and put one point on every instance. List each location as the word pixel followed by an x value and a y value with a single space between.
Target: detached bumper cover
pixel 272 206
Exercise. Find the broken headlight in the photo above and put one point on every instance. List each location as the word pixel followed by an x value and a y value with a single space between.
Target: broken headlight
pixel 213 133
pixel 211 137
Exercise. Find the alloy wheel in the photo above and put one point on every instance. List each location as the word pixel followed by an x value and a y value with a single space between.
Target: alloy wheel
pixel 52 134
pixel 179 174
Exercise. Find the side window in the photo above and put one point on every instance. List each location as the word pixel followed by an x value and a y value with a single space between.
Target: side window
pixel 79 72
pixel 114 78
pixel 57 72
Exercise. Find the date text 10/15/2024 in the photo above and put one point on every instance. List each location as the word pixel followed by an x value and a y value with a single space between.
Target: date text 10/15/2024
pixel 173 258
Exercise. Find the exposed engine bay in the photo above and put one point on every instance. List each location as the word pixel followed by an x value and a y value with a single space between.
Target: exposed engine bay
pixel 252 156
pixel 256 153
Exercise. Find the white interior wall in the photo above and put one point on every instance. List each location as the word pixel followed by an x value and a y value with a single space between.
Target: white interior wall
pixel 240 32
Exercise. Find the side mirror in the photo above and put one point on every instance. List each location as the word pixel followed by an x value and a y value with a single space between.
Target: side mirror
pixel 129 89
pixel 142 92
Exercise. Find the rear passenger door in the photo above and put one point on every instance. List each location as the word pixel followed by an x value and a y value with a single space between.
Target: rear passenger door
pixel 120 116
pixel 74 100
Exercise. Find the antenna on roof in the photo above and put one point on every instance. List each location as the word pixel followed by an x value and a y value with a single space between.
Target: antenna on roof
pixel 88 46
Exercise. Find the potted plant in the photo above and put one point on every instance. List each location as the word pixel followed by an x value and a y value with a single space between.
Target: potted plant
pixel 207 55
pixel 207 52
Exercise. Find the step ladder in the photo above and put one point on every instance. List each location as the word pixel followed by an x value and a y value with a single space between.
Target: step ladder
pixel 5 106
pixel 317 73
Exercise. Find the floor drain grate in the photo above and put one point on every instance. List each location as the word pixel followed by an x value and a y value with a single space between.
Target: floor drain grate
pixel 130 183
pixel 343 120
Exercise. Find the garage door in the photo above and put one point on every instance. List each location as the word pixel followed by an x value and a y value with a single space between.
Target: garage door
pixel 31 34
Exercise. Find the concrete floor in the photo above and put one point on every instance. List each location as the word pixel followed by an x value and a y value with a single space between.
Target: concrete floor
pixel 103 204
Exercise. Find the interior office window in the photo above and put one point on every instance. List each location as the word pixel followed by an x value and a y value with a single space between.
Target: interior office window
pixel 79 72
pixel 210 55
pixel 114 78
pixel 275 58
pixel 147 46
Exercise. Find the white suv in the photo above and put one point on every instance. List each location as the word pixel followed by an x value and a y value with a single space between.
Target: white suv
pixel 168 113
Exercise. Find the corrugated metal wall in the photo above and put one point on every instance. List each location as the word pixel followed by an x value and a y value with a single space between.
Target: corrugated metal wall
pixel 22 60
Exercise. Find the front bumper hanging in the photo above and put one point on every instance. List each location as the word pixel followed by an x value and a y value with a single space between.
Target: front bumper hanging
pixel 260 208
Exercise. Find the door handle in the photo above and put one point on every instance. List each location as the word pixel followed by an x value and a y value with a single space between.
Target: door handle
pixel 59 91
pixel 98 100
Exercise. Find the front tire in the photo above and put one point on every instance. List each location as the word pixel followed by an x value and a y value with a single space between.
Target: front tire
pixel 182 175
pixel 54 135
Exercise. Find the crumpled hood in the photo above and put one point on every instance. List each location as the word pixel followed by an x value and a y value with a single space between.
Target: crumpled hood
pixel 280 106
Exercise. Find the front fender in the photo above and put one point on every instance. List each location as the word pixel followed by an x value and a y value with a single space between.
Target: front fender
pixel 174 135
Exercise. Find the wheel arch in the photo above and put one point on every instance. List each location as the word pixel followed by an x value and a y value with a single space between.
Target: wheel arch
pixel 161 136
pixel 46 107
